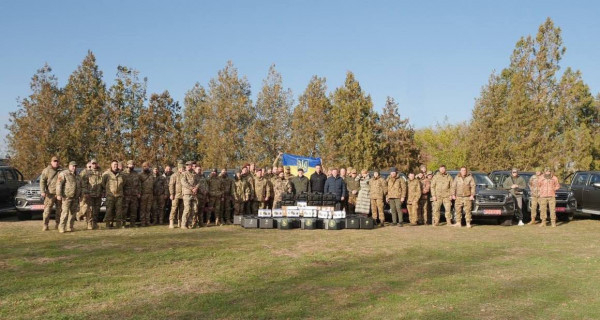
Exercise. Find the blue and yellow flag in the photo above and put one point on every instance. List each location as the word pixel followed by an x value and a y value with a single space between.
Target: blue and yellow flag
pixel 295 162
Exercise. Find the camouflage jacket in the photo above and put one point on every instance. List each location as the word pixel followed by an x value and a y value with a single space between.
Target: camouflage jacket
pixel 202 186
pixel 131 183
pixel 262 189
pixel 378 188
pixel 414 190
pixel 241 190
pixel 91 183
pixel 215 186
pixel 352 185
pixel 175 188
pixel 48 180
pixel 280 187
pixel 250 181
pixel 441 185
pixel 534 185
pixel 463 186
pixel 425 188
pixel 147 183
pixel 189 181
pixel 227 185
pixel 160 188
pixel 396 188
pixel 112 184
pixel 68 185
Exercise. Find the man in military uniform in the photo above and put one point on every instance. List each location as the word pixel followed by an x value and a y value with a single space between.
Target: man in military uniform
pixel 241 193
pixel 412 199
pixel 463 192
pixel 535 193
pixel 227 197
pixel 147 192
pixel 176 196
pixel 48 191
pixel 344 176
pixel 167 174
pixel 68 191
pixel 441 185
pixel 299 183
pixel 516 184
pixel 262 192
pixel 132 190
pixel 215 197
pixel 396 193
pixel 112 186
pixel 288 173
pixel 160 195
pixel 281 185
pixel 201 199
pixel 424 202
pixel 249 204
pixel 548 184
pixel 378 191
pixel 84 208
pixel 91 186
pixel 189 186
pixel 353 187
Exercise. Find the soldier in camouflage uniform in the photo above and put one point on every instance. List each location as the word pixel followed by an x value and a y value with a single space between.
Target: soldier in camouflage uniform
pixel 412 199
pixel 132 190
pixel 189 186
pixel 227 196
pixel 463 192
pixel 396 193
pixel 353 187
pixel 215 197
pixel 84 208
pixel 201 199
pixel 377 193
pixel 48 191
pixel 176 195
pixel 112 186
pixel 91 186
pixel 249 204
pixel 241 193
pixel 534 193
pixel 281 185
pixel 262 192
pixel 441 186
pixel 147 191
pixel 68 191
pixel 424 202
pixel 160 195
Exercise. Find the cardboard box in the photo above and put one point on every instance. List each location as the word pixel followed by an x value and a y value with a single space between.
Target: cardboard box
pixel 301 204
pixel 339 215
pixel 310 212
pixel 277 213
pixel 264 213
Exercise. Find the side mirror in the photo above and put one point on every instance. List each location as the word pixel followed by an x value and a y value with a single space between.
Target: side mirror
pixel 596 185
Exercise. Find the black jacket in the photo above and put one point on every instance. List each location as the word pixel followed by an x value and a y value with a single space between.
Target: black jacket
pixel 337 186
pixel 317 182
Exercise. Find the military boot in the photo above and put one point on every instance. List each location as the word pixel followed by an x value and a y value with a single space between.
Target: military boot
pixel 217 222
pixel 553 223
pixel 458 225
pixel 45 227
pixel 543 223
pixel 468 225
pixel 171 224
pixel 119 225
pixel 61 230
pixel 69 229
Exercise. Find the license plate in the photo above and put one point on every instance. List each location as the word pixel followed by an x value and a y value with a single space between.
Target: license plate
pixel 561 209
pixel 37 207
pixel 492 211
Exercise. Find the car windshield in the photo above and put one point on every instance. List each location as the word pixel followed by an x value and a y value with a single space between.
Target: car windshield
pixel 480 179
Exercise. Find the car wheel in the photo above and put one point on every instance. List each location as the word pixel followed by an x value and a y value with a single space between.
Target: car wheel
pixel 595 216
pixel 565 217
pixel 22 216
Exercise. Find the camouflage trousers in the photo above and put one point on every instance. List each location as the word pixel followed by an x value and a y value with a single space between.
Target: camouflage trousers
pixel 189 208
pixel 226 208
pixel 93 204
pixel 351 204
pixel 146 208
pixel 546 202
pixel 423 210
pixel 114 209
pixel 84 209
pixel 377 210
pixel 238 208
pixel 535 204
pixel 176 210
pixel 413 210
pixel 130 209
pixel 249 207
pixel 459 204
pixel 49 202
pixel 214 205
pixel 67 217
pixel 437 205
pixel 200 212
pixel 158 210
pixel 396 210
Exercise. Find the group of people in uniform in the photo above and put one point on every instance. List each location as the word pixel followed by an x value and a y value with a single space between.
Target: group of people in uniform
pixel 193 200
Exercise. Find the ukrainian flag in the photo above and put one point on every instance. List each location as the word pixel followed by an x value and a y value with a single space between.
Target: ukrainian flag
pixel 295 162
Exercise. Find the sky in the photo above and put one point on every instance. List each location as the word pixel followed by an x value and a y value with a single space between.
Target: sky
pixel 432 57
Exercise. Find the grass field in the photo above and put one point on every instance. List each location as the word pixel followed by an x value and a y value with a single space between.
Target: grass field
pixel 488 272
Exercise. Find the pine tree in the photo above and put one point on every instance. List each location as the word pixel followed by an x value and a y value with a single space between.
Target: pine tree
pixel 310 119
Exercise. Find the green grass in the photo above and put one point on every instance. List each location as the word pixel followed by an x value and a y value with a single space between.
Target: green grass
pixel 488 272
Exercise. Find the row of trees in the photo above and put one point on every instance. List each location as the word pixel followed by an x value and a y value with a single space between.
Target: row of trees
pixel 526 116
pixel 219 124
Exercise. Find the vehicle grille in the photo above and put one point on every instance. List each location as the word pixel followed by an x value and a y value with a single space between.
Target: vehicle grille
pixel 562 196
pixel 491 198
pixel 31 193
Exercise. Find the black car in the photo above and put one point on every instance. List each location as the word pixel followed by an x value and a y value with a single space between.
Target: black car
pixel 566 202
pixel 585 187
pixel 11 180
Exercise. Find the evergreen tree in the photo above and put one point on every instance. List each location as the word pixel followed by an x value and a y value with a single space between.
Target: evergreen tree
pixel 196 116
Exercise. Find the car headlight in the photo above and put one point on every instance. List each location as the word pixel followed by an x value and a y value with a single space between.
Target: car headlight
pixel 21 192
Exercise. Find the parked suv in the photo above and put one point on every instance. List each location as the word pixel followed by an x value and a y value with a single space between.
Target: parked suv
pixel 490 202
pixel 585 187
pixel 10 181
pixel 566 202
pixel 29 201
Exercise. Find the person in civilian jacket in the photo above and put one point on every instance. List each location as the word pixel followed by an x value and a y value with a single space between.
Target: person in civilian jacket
pixel 336 185
pixel 317 180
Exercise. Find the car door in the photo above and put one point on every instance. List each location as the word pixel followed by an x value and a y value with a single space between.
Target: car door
pixel 591 195
pixel 4 196
pixel 13 181
pixel 578 184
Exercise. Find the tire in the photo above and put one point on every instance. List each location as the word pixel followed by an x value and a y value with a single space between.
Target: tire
pixel 566 217
pixel 595 216
pixel 505 221
pixel 22 216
